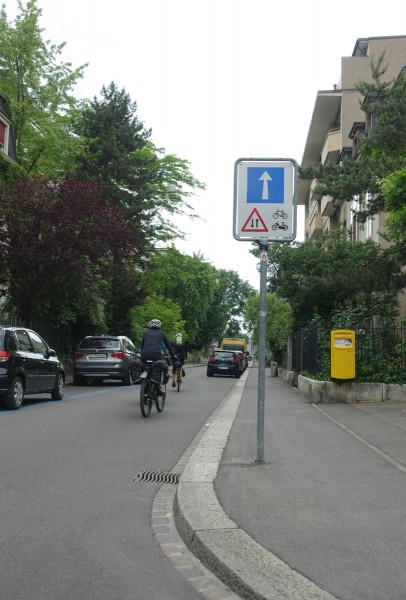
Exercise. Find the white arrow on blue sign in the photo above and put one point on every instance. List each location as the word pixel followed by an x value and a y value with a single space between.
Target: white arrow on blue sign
pixel 265 199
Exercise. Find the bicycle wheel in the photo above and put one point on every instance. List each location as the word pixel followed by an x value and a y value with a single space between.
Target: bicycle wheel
pixel 178 378
pixel 145 398
pixel 160 399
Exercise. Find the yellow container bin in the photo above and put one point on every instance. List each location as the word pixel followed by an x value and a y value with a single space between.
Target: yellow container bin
pixel 342 345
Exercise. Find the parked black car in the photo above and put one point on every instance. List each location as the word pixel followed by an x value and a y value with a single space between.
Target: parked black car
pixel 224 362
pixel 27 366
pixel 105 357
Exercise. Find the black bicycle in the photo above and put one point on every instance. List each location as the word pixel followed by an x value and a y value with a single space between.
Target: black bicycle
pixel 178 374
pixel 153 387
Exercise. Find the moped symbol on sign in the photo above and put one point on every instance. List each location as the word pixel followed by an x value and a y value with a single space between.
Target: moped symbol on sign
pixel 265 199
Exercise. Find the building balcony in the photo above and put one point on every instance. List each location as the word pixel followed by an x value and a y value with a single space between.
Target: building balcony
pixel 332 147
pixel 314 226
pixel 328 208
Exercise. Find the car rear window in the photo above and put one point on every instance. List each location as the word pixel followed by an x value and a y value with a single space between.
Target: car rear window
pixel 95 342
pixel 224 354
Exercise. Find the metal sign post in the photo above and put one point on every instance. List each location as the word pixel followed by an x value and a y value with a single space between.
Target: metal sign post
pixel 262 352
pixel 265 210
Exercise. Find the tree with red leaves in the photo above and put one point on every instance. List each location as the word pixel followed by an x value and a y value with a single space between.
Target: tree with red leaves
pixel 61 245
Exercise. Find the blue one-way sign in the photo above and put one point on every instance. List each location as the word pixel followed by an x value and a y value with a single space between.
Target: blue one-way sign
pixel 265 199
pixel 265 185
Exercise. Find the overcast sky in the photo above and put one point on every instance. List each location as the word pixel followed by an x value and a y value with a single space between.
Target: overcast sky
pixel 217 80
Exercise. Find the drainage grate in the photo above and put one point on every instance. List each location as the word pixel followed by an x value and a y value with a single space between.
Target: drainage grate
pixel 157 477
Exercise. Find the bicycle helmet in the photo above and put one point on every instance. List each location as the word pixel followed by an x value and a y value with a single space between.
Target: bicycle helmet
pixel 154 324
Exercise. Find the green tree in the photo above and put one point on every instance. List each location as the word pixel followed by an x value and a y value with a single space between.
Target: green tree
pixel 279 323
pixel 209 298
pixel 189 281
pixel 37 87
pixel 8 169
pixel 331 273
pixel 157 307
pixel 148 185
pixel 226 308
pixel 393 190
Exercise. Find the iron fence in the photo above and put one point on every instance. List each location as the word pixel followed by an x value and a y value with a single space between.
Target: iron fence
pixel 380 352
pixel 60 339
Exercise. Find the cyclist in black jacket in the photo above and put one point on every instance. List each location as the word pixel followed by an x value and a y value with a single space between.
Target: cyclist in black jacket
pixel 151 342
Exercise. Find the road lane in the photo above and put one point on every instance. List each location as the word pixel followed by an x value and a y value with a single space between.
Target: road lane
pixel 74 524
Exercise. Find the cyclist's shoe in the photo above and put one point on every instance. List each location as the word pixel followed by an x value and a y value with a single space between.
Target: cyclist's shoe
pixel 183 372
pixel 173 384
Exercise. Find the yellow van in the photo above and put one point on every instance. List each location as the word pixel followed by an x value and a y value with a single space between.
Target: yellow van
pixel 237 344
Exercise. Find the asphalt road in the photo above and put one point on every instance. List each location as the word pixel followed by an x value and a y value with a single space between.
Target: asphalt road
pixel 74 523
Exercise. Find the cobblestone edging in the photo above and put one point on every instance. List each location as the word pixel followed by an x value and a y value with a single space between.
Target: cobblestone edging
pixel 347 391
pixel 172 545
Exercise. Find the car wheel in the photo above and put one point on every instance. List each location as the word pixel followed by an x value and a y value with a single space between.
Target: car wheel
pixel 13 399
pixel 127 379
pixel 77 380
pixel 209 374
pixel 57 392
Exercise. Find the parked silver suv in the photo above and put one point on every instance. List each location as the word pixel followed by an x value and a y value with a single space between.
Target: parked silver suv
pixel 105 357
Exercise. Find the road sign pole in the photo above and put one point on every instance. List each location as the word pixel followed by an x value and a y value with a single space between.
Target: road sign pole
pixel 262 349
pixel 265 206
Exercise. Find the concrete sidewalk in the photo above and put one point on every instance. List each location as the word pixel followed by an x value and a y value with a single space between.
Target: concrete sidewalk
pixel 322 518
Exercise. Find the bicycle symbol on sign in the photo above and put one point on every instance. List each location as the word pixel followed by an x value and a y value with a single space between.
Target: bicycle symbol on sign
pixel 280 213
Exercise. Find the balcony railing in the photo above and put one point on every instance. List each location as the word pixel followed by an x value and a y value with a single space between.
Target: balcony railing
pixel 328 209
pixel 314 226
pixel 332 147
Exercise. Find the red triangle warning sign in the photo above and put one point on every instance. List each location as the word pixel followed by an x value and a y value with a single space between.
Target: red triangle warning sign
pixel 254 223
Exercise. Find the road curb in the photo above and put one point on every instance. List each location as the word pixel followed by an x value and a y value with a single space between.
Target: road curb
pixel 218 542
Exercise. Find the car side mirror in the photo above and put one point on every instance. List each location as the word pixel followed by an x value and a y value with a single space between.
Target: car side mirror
pixel 50 352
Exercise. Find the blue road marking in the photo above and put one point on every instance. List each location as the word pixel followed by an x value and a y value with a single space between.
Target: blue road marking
pixel 64 399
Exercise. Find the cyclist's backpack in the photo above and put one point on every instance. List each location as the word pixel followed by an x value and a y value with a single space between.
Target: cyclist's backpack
pixel 178 341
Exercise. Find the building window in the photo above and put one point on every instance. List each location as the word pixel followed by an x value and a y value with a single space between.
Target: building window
pixel 353 219
pixel 356 133
pixel 2 134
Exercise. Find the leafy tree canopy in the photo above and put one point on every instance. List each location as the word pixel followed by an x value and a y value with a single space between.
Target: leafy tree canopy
pixel 188 281
pixel 37 87
pixel 279 322
pixel 157 306
pixel 332 273
pixel 8 169
pixel 147 184
pixel 58 242
pixel 226 308
pixel 209 298
pixel 393 190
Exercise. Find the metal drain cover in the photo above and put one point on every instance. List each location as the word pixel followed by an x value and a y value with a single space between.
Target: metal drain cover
pixel 157 477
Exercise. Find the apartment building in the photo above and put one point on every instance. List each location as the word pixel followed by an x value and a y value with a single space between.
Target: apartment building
pixel 335 129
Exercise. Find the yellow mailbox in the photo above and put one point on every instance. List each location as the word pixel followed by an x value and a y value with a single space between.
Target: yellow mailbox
pixel 342 354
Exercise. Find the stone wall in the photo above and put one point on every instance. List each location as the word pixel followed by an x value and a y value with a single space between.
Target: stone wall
pixel 346 391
